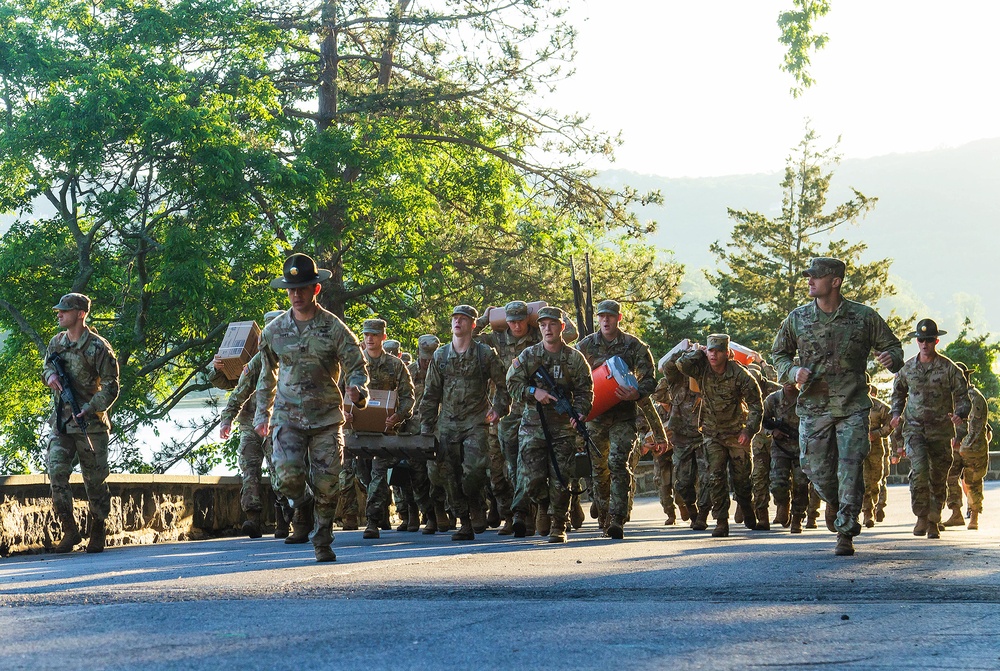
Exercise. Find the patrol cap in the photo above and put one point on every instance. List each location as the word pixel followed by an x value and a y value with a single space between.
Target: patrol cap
pixel 926 328
pixel 466 311
pixel 73 302
pixel 300 271
pixel 551 312
pixel 824 265
pixel 426 345
pixel 391 346
pixel 272 315
pixel 405 357
pixel 376 326
pixel 516 311
pixel 718 341
pixel 609 307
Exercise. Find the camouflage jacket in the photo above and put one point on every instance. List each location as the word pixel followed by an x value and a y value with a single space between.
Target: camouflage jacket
pixel 778 406
pixel 570 372
pixel 975 434
pixel 835 348
pixel 456 390
pixel 636 356
pixel 301 371
pixel 91 365
pixel 924 393
pixel 389 373
pixel 242 403
pixel 674 389
pixel 508 348
pixel 878 420
pixel 730 402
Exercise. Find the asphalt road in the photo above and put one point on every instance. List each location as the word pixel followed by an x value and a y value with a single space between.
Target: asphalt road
pixel 663 597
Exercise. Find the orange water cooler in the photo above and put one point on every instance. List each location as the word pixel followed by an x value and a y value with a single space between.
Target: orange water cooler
pixel 608 378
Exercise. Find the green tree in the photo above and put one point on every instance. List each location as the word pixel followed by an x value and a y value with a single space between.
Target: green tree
pixel 799 36
pixel 980 355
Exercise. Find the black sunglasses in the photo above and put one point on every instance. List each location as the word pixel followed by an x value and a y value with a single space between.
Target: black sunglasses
pixel 926 339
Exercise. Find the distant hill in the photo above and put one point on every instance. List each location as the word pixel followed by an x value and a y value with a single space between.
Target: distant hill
pixel 938 216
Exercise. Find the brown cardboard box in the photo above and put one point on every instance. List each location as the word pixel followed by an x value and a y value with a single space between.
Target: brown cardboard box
pixel 372 417
pixel 238 347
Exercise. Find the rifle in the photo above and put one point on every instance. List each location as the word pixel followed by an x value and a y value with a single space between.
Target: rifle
pixel 775 424
pixel 67 396
pixel 564 407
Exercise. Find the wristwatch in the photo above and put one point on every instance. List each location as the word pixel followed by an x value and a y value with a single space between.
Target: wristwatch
pixel 531 391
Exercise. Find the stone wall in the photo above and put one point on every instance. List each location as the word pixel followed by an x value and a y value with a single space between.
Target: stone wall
pixel 144 509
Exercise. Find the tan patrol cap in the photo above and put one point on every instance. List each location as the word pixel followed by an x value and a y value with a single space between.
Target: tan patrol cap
pixel 376 326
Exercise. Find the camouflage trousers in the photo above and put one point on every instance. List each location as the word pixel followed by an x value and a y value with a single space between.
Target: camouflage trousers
pixel 307 464
pixel 615 443
pixel 833 451
pixel 727 459
pixel 251 461
pixel 663 478
pixel 510 445
pixel 812 510
pixel 538 481
pixel 461 467
pixel 690 471
pixel 503 490
pixel 414 490
pixel 874 475
pixel 970 468
pixel 63 450
pixel 789 484
pixel 352 486
pixel 883 491
pixel 760 477
pixel 633 463
pixel 930 460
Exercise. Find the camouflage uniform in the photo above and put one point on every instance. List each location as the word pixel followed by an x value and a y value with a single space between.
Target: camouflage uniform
pixel 386 373
pixel 538 479
pixel 91 365
pixel 242 406
pixel 614 432
pixel 731 404
pixel 663 464
pixel 972 459
pixel 760 448
pixel 923 395
pixel 874 468
pixel 454 407
pixel 789 484
pixel 834 405
pixel 426 495
pixel 301 368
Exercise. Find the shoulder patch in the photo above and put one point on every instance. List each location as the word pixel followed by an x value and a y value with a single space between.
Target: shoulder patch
pixel 516 363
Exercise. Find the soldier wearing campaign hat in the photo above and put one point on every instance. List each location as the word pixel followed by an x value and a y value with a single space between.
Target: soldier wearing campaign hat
pixel 301 397
pixel 91 372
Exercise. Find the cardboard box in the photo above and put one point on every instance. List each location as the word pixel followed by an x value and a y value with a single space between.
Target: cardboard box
pixel 371 418
pixel 238 347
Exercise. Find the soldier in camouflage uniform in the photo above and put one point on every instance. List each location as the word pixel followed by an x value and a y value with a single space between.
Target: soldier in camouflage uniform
pixel 689 461
pixel 548 439
pixel 760 448
pixel 242 406
pixel 972 457
pixel 929 398
pixel 652 426
pixel 303 355
pixel 789 484
pixel 730 417
pixel 92 369
pixel 832 337
pixel 387 373
pixel 875 471
pixel 455 406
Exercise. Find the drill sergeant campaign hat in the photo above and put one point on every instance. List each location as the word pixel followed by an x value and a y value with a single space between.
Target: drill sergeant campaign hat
pixel 426 345
pixel 516 311
pixel 609 308
pixel 272 315
pixel 926 328
pixel 73 302
pixel 824 265
pixel 466 311
pixel 300 271
pixel 717 341
pixel 551 312
pixel 376 326
pixel 391 347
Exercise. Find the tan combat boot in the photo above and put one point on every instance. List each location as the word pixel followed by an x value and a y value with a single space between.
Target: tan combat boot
pixel 543 523
pixel 781 515
pixel 350 522
pixel 616 527
pixel 920 528
pixel 251 525
pixel 869 520
pixel 576 514
pixel 738 515
pixel 699 520
pixel 441 516
pixel 98 537
pixel 371 531
pixel 302 524
pixel 280 522
pixel 465 532
pixel 671 517
pixel 795 524
pixel 845 546
pixel 721 528
pixel 933 530
pixel 557 533
pixel 71 534
pixel 974 520
pixel 413 519
pixel 683 511
pixel 508 527
pixel 762 523
pixel 831 518
pixel 956 519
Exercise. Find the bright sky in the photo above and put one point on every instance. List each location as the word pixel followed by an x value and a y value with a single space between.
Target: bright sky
pixel 696 90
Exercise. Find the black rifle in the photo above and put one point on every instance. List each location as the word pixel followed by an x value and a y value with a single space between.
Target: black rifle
pixel 67 396
pixel 775 424
pixel 563 406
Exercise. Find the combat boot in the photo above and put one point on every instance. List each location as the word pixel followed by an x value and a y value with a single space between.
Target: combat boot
pixel 933 530
pixel 441 517
pixel 831 517
pixel 477 518
pixel 404 519
pixel 974 520
pixel 543 523
pixel 251 525
pixel 371 531
pixel 576 516
pixel 98 537
pixel 508 527
pixel 430 525
pixel 493 517
pixel 721 528
pixel 350 522
pixel 413 520
pixel 749 517
pixel 529 521
pixel 869 520
pixel 616 527
pixel 811 521
pixel 71 534
pixel 321 543
pixel 671 517
pixel 762 523
pixel 845 546
pixel 699 521
pixel 738 516
pixel 920 528
pixel 795 524
pixel 880 515
pixel 781 515
pixel 594 512
pixel 280 521
pixel 302 524
pixel 518 526
pixel 683 511
pixel 557 533
pixel 956 519
pixel 465 532
pixel 386 522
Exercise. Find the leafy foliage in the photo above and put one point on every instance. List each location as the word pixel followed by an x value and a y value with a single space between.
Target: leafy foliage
pixel 980 355
pixel 798 34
